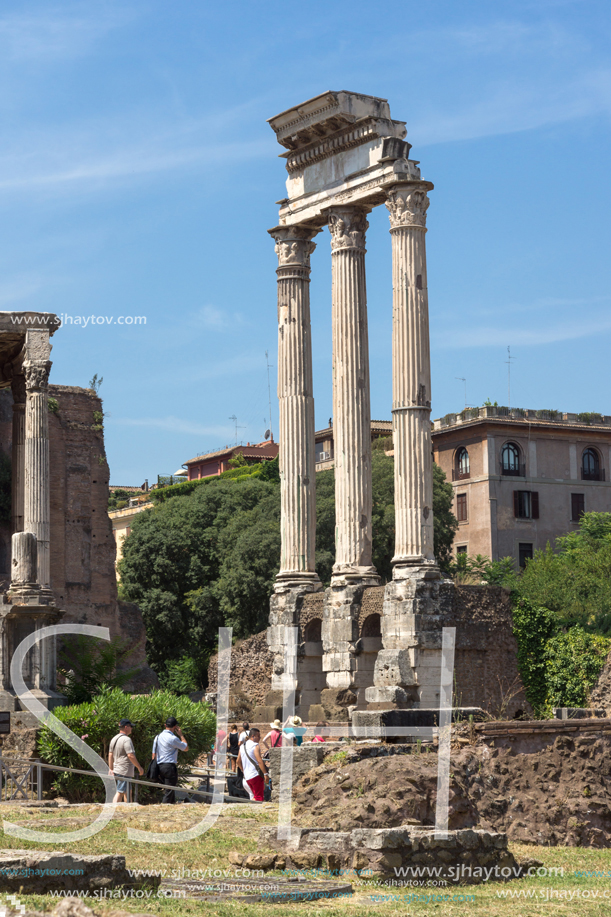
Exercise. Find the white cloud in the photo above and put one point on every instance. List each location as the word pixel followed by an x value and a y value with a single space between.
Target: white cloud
pixel 524 335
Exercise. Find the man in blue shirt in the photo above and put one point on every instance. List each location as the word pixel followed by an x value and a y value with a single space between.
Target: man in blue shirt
pixel 165 749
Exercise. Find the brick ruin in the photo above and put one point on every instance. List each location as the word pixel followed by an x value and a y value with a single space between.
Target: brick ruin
pixel 56 543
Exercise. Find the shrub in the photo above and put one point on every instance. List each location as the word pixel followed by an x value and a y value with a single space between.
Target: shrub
pixel 87 665
pixel 573 662
pixel 97 722
pixel 182 676
pixel 533 626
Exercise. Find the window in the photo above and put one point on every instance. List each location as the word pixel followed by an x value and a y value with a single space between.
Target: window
pixel 461 549
pixel 578 506
pixel 590 466
pixel 525 553
pixel 461 465
pixel 510 460
pixel 525 504
pixel 461 507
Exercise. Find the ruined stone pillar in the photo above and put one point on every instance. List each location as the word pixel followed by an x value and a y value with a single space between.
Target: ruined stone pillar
pixel 18 452
pixel 297 457
pixel 295 394
pixel 37 511
pixel 407 204
pixel 351 400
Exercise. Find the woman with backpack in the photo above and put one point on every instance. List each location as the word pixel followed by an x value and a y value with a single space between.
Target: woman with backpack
pixel 274 736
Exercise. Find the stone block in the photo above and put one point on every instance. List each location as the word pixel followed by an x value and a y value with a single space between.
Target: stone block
pixel 393 667
pixel 46 871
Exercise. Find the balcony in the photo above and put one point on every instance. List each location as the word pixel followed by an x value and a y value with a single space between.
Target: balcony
pixel 460 475
pixel 596 475
pixel 517 471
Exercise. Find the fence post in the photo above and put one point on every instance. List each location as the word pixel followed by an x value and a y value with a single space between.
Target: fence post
pixel 38 779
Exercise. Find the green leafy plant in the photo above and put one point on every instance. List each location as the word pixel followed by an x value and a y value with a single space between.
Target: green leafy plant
pixel 573 662
pixel 86 665
pixel 533 626
pixel 96 382
pixel 98 420
pixel 97 722
pixel 182 676
pixel 53 405
pixel 590 417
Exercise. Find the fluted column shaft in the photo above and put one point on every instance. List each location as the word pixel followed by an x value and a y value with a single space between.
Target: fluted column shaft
pixel 18 453
pixel 296 403
pixel 351 400
pixel 407 204
pixel 37 510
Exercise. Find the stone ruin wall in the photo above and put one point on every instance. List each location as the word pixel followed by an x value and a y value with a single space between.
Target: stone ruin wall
pixel 486 671
pixel 83 577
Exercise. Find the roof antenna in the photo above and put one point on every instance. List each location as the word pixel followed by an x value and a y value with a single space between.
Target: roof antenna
pixel 461 379
pixel 509 361
pixel 235 420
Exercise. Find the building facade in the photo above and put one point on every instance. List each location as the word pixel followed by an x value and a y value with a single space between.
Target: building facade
pixel 215 463
pixel 325 448
pixel 522 478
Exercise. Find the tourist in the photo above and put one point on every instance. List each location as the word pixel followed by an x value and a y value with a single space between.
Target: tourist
pixel 274 735
pixel 233 747
pixel 244 734
pixel 165 749
pixel 221 741
pixel 122 759
pixel 318 737
pixel 253 766
pixel 293 729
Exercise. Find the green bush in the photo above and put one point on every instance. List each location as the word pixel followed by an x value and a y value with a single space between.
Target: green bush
pixel 182 676
pixel 97 722
pixel 573 662
pixel 533 627
pixel 87 665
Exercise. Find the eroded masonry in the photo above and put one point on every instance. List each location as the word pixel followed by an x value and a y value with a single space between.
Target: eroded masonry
pixel 56 548
pixel 345 155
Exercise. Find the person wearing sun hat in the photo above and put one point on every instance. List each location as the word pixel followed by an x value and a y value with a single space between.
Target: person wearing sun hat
pixel 293 729
pixel 274 735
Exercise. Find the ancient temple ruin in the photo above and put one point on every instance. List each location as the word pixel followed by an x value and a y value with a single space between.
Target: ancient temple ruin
pixel 345 155
pixel 56 546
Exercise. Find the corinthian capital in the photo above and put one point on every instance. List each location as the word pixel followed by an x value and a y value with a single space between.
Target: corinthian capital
pixel 348 226
pixel 407 205
pixel 36 374
pixel 294 245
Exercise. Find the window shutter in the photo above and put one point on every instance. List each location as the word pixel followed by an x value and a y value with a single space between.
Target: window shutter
pixel 535 504
pixel 516 503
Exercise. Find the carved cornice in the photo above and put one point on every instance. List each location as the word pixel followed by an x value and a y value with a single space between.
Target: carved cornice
pixel 348 226
pixel 407 206
pixel 345 139
pixel 36 374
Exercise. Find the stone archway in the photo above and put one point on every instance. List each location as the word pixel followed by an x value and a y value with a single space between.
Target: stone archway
pixel 312 679
pixel 370 643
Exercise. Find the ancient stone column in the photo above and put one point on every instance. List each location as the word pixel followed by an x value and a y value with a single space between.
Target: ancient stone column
pixel 407 204
pixel 18 452
pixel 37 512
pixel 351 403
pixel 295 394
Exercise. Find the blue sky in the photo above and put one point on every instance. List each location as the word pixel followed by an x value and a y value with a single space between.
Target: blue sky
pixel 138 177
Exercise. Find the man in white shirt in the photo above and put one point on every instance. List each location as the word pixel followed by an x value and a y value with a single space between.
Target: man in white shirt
pixel 253 766
pixel 165 749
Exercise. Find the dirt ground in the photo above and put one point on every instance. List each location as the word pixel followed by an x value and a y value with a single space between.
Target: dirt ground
pixel 558 796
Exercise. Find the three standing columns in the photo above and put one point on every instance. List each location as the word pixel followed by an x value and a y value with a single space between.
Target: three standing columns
pixel 351 400
pixel 407 203
pixel 297 455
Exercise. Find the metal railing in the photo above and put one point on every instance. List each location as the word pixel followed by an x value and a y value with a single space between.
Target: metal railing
pixel 516 471
pixel 22 778
pixel 596 475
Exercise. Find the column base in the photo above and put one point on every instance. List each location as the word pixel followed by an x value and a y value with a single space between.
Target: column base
pixel 30 594
pixel 305 582
pixel 344 575
pixel 415 567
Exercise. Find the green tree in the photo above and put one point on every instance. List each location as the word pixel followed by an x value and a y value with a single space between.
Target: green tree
pixel 445 524
pixel 574 581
